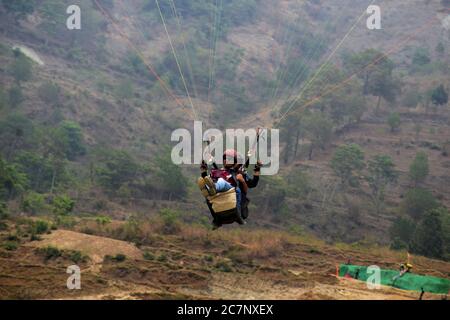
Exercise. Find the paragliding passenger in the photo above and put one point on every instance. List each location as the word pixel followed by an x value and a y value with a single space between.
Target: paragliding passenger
pixel 231 178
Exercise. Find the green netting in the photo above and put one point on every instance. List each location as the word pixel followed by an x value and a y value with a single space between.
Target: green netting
pixel 409 281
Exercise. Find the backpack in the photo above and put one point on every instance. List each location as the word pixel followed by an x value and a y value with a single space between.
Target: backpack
pixel 223 201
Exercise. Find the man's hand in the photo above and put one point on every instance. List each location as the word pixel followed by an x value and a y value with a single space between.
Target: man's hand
pixel 203 166
pixel 258 166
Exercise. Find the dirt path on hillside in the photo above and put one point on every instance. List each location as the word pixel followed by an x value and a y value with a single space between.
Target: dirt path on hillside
pixel 93 246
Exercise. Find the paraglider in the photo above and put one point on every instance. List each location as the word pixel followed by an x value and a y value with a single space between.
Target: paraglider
pixel 225 189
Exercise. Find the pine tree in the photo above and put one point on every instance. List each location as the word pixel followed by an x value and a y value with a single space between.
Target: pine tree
pixel 347 160
pixel 418 201
pixel 439 96
pixel 429 238
pixel 381 174
pixel 419 169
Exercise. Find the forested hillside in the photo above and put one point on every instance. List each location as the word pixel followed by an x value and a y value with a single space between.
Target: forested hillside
pixel 86 115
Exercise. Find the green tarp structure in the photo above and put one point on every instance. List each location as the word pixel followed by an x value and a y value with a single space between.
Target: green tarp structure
pixel 409 281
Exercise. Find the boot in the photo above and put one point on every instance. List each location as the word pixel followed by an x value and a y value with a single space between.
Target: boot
pixel 210 185
pixel 239 219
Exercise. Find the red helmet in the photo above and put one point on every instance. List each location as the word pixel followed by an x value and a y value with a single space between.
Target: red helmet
pixel 231 156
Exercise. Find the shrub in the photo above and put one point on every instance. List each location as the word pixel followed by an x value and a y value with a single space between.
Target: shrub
pixel 50 252
pixel 64 221
pixel 10 245
pixel 3 100
pixel 209 258
pixel 116 168
pixel 77 256
pixel 134 62
pixel 35 237
pixel 3 226
pixel 439 96
pixel 3 210
pixel 394 121
pixel 12 237
pixel 62 205
pixel 398 244
pixel 130 231
pixel 34 203
pixel 120 257
pixel 12 181
pixel 296 229
pixel 162 257
pixel 18 8
pixel 401 233
pixel 421 57
pixel 273 192
pixel 15 96
pixel 148 256
pixel 412 99
pixel 124 90
pixel 38 169
pixel 170 176
pixel 223 266
pixel 41 227
pixel 73 140
pixel 300 183
pixel 21 68
pixel 49 93
pixel 102 220
pixel 419 169
pixel 170 221
pixel 440 48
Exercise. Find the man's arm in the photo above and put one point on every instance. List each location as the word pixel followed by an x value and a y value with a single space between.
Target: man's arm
pixel 242 182
pixel 253 182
